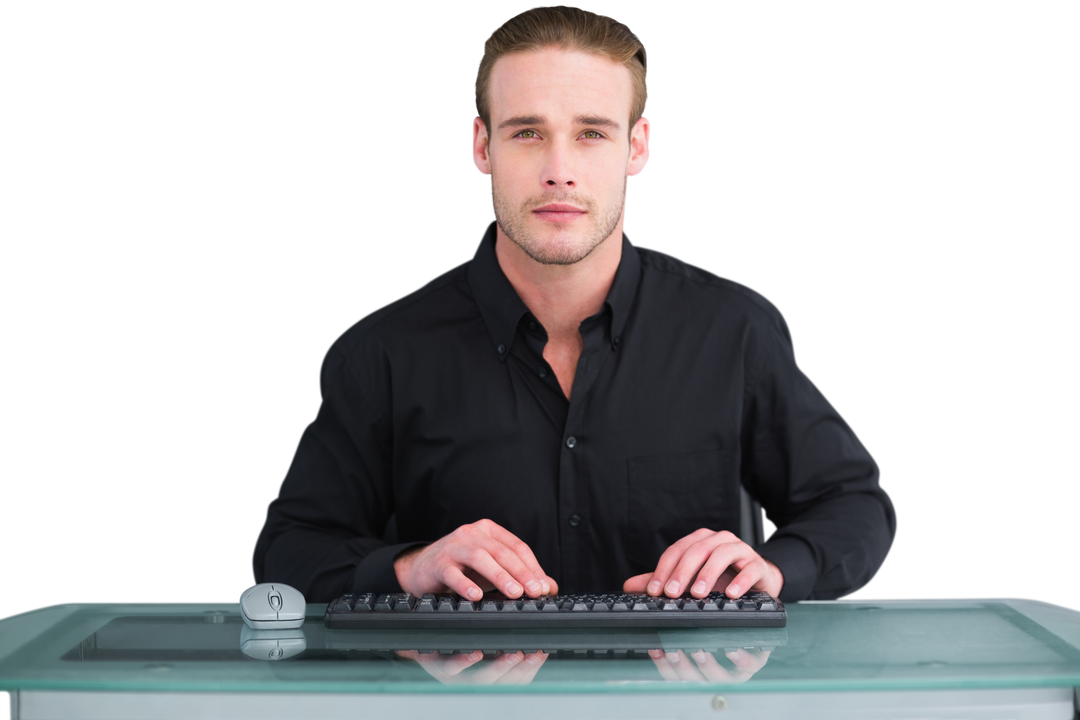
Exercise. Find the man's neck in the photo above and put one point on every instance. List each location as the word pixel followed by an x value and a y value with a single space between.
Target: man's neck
pixel 561 296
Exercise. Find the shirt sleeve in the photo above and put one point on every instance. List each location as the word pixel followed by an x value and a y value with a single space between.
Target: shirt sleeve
pixel 815 480
pixel 323 532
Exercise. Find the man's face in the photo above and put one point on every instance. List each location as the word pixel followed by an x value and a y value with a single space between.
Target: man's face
pixel 558 151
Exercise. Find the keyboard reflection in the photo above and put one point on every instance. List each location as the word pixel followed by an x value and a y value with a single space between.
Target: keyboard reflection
pixel 596 643
pixel 736 665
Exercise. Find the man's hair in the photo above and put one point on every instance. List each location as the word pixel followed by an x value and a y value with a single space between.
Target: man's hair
pixel 565 28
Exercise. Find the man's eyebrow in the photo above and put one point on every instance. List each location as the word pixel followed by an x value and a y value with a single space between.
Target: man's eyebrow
pixel 525 120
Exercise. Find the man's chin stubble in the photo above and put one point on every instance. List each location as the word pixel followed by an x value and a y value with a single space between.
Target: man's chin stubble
pixel 546 255
pixel 537 252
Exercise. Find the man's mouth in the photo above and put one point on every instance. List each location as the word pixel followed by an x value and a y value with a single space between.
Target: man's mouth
pixel 559 212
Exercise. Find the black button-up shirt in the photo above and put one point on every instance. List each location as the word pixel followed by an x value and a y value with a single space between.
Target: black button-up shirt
pixel 440 410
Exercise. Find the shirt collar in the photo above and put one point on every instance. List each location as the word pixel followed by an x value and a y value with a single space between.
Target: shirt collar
pixel 502 309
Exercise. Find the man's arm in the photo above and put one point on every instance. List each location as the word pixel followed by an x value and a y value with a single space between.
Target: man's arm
pixel 816 481
pixel 403 564
pixel 322 533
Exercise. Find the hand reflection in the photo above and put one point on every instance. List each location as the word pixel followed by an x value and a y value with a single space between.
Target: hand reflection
pixel 504 669
pixel 704 667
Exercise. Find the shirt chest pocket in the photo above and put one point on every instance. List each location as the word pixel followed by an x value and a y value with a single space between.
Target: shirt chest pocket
pixel 671 496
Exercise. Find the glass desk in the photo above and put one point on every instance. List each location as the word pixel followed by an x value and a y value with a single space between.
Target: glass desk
pixel 888 659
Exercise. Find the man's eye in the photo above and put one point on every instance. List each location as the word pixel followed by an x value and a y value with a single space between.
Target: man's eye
pixel 522 133
pixel 527 134
pixel 591 135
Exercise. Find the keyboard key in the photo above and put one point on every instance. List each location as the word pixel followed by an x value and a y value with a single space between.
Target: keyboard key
pixel 530 605
pixel 466 605
pixel 602 605
pixel 669 604
pixel 749 605
pixel 768 606
pixel 426 604
pixel 549 606
pixel 709 605
pixel 579 606
pixel 383 604
pixel 489 606
pixel 620 606
pixel 344 603
pixel 404 602
pixel 691 605
pixel 446 603
pixel 730 604
pixel 509 606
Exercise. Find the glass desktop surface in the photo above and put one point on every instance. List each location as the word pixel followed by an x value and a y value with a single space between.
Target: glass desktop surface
pixel 856 646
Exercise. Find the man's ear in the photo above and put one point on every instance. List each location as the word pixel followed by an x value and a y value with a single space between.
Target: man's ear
pixel 480 146
pixel 639 147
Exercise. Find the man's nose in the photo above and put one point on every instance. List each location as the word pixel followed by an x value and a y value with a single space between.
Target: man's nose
pixel 557 170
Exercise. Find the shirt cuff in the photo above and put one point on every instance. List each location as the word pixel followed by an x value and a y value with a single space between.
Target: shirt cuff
pixel 796 561
pixel 375 573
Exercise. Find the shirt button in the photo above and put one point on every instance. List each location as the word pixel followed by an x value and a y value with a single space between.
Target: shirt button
pixel 575 520
pixel 615 340
pixel 571 442
pixel 502 349
pixel 543 372
pixel 532 324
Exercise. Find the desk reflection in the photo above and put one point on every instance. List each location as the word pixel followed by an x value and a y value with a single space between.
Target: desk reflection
pixel 450 657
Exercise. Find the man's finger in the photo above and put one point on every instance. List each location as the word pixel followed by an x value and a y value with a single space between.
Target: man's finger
pixel 712 549
pixel 454 579
pixel 479 559
pixel 700 544
pixel 532 583
pixel 749 661
pixel 637 584
pixel 523 551
pixel 664 568
pixel 754 571
pixel 722 558
pixel 731 569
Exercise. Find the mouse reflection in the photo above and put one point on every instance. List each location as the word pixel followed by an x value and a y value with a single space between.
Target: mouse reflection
pixel 519 668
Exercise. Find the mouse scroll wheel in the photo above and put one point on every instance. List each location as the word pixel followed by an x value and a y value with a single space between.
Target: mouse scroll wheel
pixel 275 600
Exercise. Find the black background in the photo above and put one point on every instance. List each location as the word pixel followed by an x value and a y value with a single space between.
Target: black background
pixel 239 192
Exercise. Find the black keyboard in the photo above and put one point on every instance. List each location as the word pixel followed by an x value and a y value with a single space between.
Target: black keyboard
pixel 405 610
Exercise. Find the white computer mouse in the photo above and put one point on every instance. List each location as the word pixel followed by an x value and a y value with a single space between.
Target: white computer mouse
pixel 273 606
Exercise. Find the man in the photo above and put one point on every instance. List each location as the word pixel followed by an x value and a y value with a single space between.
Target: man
pixel 567 412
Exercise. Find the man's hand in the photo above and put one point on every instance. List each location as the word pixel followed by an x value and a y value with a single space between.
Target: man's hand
pixel 706 561
pixel 474 558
